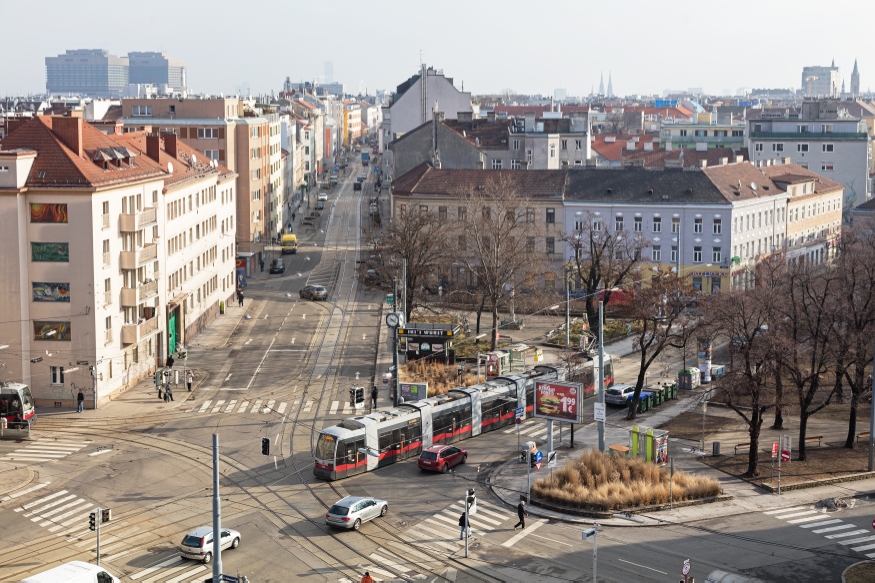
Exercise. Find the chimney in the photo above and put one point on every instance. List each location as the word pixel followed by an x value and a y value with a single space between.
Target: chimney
pixel 69 131
pixel 465 116
pixel 170 144
pixel 153 146
pixel 440 116
pixel 530 121
pixel 490 116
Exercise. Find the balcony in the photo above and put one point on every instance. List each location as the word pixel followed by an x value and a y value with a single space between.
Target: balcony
pixel 149 215
pixel 133 333
pixel 811 135
pixel 133 259
pixel 127 223
pixel 133 296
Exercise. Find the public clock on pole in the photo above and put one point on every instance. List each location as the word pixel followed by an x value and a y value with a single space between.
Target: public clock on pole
pixel 394 319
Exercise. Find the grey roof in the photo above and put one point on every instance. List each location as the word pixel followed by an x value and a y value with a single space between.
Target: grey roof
pixel 631 185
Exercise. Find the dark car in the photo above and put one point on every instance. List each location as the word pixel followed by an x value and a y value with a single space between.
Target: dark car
pixel 357 186
pixel 440 458
pixel 277 266
pixel 314 292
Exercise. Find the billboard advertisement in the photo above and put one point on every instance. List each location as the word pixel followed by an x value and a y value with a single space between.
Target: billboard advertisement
pixel 558 401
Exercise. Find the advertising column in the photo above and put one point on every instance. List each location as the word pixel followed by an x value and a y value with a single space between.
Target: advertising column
pixel 704 357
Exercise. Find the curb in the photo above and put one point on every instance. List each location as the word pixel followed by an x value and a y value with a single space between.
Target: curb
pixel 817 483
pixel 851 567
pixel 31 475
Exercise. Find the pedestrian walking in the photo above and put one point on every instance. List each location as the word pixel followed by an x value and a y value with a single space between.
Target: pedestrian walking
pixel 521 512
pixel 170 361
pixel 261 263
pixel 160 391
pixel 293 217
pixel 80 401
pixel 240 298
pixel 463 522
pixel 189 378
pixel 374 393
pixel 367 578
pixel 168 392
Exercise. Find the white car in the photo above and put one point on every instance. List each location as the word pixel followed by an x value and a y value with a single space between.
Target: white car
pixel 198 544
pixel 323 196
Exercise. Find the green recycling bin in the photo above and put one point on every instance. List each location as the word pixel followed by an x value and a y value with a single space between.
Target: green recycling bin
pixel 674 391
pixel 666 393
pixel 657 398
pixel 650 403
pixel 642 404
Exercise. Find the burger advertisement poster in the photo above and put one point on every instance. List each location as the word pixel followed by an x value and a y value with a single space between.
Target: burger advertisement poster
pixel 557 401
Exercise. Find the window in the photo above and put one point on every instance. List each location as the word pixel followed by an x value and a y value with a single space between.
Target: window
pixel 737 133
pixel 551 245
pixel 551 216
pixel 657 224
pixel 828 147
pixel 442 213
pixel 529 157
pixel 578 144
pixel 674 253
pixel 516 164
pixel 597 224
pixel 256 132
pixel 141 111
pixel 826 166
pixel 578 162
pixel 496 164
pixel 618 224
pixel 777 147
pixel 656 253
pixel 701 133
pixel 256 194
pixel 563 144
pixel 801 147
pixel 758 127
pixel 676 225
pixel 485 213
pixel 256 174
pixel 256 216
pixel 683 133
pixel 697 255
pixel 108 323
pixel 516 144
pixel 530 215
pixel 57 374
pixel 718 226
pixel 758 147
pixel 208 133
pixel 697 226
pixel 716 255
pixel 530 244
pixel 462 213
pixel 826 128
pixel 802 129
pixel 423 209
pixel 639 224
pixel 552 150
pixel 211 154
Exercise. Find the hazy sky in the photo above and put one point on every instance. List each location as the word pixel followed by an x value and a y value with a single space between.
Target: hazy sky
pixel 531 47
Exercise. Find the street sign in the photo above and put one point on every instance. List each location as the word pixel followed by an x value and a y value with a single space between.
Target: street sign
pixel 538 466
pixel 685 570
pixel 519 420
pixel 539 455
pixel 557 401
pixel 588 533
pixel 520 412
pixel 599 411
pixel 873 524
pixel 774 449
pixel 785 456
pixel 551 459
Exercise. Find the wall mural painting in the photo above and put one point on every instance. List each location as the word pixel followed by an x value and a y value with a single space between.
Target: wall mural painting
pixel 57 252
pixel 43 330
pixel 48 213
pixel 51 292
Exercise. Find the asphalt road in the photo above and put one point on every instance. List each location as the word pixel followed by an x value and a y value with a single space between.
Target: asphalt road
pixel 284 374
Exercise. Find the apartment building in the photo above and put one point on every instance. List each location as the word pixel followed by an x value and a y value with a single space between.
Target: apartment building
pixel 352 122
pixel 707 131
pixel 226 131
pixel 92 72
pixel 819 136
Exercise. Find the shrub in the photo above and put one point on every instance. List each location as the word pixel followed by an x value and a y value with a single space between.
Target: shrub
pixel 608 482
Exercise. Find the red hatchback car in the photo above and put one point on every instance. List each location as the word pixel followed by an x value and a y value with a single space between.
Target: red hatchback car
pixel 441 458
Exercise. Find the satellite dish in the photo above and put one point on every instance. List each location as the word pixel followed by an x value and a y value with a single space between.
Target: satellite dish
pixel 170 167
pixel 753 186
pixel 193 160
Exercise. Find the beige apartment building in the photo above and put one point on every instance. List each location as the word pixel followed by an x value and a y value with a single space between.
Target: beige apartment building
pixel 225 131
pixel 84 229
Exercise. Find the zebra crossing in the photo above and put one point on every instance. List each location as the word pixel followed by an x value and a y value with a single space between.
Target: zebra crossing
pixel 172 569
pixel 534 430
pixel 834 529
pixel 62 513
pixel 265 407
pixel 440 531
pixel 45 450
pixel 382 560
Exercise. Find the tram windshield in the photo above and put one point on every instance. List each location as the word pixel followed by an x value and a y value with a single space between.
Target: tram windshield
pixel 325 446
pixel 27 398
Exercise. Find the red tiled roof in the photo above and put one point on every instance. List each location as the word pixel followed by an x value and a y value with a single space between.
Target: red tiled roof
pixel 57 165
pixel 184 169
pixel 617 150
pixel 793 173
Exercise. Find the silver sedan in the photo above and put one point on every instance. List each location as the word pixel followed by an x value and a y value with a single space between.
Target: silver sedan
pixel 198 544
pixel 352 511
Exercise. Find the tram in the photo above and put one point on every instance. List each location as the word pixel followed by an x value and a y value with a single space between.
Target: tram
pixel 404 431
pixel 16 404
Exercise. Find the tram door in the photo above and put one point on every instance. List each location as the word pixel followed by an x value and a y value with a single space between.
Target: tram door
pixel 355 462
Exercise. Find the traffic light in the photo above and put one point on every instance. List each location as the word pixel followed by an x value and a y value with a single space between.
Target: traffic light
pixel 105 514
pixel 92 521
pixel 356 396
pixel 265 446
pixel 472 502
pixel 91 370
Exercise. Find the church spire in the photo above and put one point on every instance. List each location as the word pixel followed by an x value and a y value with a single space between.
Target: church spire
pixel 602 83
pixel 610 86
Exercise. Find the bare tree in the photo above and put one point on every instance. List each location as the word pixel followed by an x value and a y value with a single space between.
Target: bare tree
pixel 414 236
pixel 661 310
pixel 616 123
pixel 496 242
pixel 603 258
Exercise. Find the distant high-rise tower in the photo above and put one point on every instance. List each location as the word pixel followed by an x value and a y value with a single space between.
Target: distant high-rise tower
pixel 602 84
pixel 328 73
pixel 855 81
pixel 610 86
pixel 157 69
pixel 92 72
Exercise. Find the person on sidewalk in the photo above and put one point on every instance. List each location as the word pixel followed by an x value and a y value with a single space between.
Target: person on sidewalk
pixel 80 401
pixel 168 392
pixel 240 298
pixel 261 263
pixel 521 512
pixel 374 394
pixel 367 578
pixel 463 522
pixel 189 378
pixel 160 391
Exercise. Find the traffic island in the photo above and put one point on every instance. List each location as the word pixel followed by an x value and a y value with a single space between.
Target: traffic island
pixel 859 573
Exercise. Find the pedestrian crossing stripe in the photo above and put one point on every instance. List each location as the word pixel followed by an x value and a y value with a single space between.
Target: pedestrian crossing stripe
pixel 838 531
pixel 58 511
pixel 45 450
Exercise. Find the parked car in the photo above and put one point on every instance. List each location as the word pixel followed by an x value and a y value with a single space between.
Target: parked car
pixel 198 544
pixel 322 196
pixel 314 292
pixel 308 220
pixel 440 458
pixel 352 511
pixel 277 266
pixel 619 395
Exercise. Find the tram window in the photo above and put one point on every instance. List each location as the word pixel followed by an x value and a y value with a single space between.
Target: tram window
pixel 385 440
pixel 414 431
pixel 350 453
pixel 325 447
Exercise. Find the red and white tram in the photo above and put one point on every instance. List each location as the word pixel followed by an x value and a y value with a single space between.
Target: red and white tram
pixel 404 431
pixel 16 404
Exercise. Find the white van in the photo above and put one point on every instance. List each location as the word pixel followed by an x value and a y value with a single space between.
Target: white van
pixel 73 572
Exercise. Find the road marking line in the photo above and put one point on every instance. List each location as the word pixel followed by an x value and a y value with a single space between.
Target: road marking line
pixel 307 406
pixel 832 528
pixel 782 510
pixel 552 540
pixel 99 452
pixel 430 540
pixel 390 564
pixel 477 517
pixel 380 571
pixel 854 541
pixel 40 515
pixel 162 576
pixel 81 511
pixel 282 408
pixel 795 514
pixel 334 406
pixel 166 563
pixel 270 405
pixel 218 406
pixel 118 555
pixel 844 534
pixel 642 566
pixel 806 519
pixel 347 410
pixel 76 518
pixel 256 406
pixel 526 531
pixel 46 499
pixel 864 548
pixel 231 405
pixel 188 574
pixel 204 407
pixel 260 364
pixel 441 536
pixel 243 406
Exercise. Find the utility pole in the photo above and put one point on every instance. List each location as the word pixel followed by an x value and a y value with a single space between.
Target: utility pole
pixel 528 475
pixel 404 291
pixel 871 431
pixel 601 424
pixel 567 309
pixel 97 520
pixel 395 342
pixel 217 514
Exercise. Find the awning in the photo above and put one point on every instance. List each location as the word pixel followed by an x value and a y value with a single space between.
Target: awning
pixel 245 254
pixel 177 300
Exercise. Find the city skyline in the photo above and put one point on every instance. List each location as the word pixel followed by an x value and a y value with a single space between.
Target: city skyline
pixel 562 56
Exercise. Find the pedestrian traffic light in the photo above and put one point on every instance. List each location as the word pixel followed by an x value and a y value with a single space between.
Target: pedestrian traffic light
pixel 265 446
pixel 356 396
pixel 472 502
pixel 92 521
pixel 105 514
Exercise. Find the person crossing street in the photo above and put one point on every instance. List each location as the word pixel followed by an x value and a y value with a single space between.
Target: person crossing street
pixel 521 512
